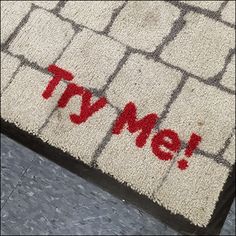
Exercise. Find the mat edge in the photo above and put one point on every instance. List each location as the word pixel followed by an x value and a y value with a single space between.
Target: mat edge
pixel 122 191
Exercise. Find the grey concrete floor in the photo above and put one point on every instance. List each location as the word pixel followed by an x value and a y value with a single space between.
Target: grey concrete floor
pixel 39 197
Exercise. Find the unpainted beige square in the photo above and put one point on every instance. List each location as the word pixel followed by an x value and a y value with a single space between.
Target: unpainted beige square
pixel 204 110
pixel 22 102
pixel 209 5
pixel 46 4
pixel 193 192
pixel 138 167
pixel 144 24
pixel 228 14
pixel 93 14
pixel 9 65
pixel 81 140
pixel 91 58
pixel 12 12
pixel 228 78
pixel 201 47
pixel 229 154
pixel 43 37
pixel 146 83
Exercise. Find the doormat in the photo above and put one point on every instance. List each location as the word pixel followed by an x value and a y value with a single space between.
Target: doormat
pixel 141 92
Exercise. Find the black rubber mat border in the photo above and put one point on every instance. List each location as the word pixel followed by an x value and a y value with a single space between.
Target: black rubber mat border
pixel 109 184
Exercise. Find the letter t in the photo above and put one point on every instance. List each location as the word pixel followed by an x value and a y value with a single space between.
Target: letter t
pixel 59 74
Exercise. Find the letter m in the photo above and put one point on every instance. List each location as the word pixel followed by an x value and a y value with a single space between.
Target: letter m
pixel 145 125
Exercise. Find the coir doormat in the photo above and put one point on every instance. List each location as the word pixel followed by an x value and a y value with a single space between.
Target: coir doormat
pixel 140 91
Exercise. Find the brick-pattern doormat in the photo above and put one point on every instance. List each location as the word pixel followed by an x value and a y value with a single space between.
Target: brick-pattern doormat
pixel 142 92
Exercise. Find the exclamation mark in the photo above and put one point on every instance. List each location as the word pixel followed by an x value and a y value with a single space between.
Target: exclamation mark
pixel 192 145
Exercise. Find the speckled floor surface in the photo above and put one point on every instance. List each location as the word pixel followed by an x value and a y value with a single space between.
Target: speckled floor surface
pixel 40 197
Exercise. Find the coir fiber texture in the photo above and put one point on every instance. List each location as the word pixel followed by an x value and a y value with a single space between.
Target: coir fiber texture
pixel 143 92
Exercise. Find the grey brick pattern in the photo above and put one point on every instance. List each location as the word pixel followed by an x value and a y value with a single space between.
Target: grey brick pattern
pixel 60 46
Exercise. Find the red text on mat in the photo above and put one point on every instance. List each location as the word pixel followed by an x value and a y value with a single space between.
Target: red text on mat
pixel 166 138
